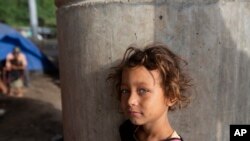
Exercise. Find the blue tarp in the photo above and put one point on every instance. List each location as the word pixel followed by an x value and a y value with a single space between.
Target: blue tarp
pixel 9 38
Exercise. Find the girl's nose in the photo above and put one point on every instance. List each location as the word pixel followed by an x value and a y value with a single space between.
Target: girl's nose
pixel 133 99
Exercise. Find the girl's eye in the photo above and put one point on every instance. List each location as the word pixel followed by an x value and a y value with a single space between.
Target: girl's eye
pixel 142 91
pixel 124 91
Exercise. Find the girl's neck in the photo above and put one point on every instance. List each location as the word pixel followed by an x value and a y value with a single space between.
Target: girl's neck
pixel 158 130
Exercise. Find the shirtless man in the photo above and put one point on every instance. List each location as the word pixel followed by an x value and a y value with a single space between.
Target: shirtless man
pixel 15 65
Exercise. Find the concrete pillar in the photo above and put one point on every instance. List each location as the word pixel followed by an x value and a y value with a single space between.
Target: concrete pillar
pixel 92 35
pixel 211 35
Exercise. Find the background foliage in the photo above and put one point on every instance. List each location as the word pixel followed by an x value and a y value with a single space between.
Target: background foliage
pixel 16 12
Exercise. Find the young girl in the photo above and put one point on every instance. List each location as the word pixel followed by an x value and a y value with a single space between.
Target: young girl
pixel 149 83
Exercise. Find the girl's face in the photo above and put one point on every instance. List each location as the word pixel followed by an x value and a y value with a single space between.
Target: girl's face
pixel 142 96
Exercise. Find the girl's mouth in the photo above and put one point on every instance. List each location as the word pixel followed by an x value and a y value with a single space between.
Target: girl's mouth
pixel 134 114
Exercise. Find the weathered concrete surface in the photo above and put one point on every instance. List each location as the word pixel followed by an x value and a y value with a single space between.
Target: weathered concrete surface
pixel 212 35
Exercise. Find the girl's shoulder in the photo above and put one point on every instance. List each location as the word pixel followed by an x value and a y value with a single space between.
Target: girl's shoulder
pixel 174 139
pixel 127 130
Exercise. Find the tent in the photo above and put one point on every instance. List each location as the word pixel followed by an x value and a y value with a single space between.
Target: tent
pixel 9 38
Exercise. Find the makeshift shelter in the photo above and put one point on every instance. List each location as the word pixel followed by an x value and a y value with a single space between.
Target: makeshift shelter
pixel 9 38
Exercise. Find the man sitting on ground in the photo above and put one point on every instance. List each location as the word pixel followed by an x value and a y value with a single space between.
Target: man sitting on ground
pixel 16 63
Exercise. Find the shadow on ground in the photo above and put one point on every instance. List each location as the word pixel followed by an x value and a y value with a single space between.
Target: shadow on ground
pixel 29 120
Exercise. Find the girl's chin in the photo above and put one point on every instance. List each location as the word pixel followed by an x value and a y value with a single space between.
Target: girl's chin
pixel 136 121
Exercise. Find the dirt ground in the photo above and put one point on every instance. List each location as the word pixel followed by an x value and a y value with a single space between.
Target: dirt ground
pixel 36 116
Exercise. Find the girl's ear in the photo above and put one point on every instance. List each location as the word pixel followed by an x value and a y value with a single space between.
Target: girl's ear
pixel 170 101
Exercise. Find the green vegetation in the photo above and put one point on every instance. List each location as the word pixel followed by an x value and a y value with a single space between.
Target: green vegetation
pixel 16 12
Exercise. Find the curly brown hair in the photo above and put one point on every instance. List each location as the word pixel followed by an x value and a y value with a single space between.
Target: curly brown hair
pixel 157 57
